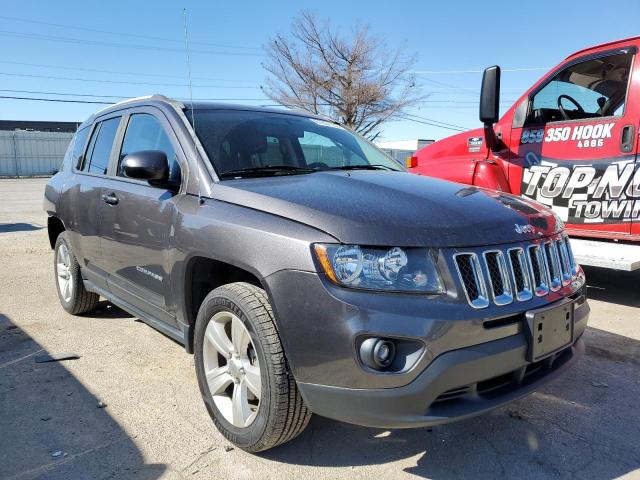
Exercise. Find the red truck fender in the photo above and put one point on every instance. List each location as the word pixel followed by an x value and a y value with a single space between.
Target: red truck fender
pixel 489 174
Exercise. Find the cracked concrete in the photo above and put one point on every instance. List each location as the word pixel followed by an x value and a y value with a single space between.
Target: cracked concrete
pixel 155 425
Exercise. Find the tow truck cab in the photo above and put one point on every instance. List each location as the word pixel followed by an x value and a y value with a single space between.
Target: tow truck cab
pixel 570 142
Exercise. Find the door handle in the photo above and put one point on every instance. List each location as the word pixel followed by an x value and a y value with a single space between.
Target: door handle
pixel 626 138
pixel 110 198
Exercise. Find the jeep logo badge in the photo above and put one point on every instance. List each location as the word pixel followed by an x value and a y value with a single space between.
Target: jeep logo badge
pixel 525 228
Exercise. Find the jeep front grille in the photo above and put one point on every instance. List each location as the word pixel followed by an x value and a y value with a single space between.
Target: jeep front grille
pixel 472 278
pixel 500 276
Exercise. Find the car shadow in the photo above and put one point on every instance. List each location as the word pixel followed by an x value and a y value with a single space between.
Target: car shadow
pixel 50 424
pixel 613 286
pixel 107 310
pixel 583 425
pixel 18 227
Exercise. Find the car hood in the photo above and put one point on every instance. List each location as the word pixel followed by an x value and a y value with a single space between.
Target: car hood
pixel 393 208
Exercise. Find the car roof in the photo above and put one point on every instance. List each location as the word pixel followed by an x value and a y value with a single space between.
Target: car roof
pixel 152 100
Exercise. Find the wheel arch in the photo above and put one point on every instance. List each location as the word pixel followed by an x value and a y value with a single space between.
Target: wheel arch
pixel 202 274
pixel 55 227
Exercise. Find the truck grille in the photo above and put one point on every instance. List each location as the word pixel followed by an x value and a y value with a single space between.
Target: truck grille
pixel 519 273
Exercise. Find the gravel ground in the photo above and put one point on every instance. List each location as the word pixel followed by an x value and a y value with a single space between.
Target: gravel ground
pixel 152 424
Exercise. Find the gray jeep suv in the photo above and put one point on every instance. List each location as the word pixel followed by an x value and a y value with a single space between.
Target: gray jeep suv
pixel 308 272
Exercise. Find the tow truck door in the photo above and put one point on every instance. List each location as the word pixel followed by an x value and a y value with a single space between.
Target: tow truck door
pixel 573 144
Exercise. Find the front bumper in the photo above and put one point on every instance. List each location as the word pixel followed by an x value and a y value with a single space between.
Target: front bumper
pixel 473 361
pixel 457 385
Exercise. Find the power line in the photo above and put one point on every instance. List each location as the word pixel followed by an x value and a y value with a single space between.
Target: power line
pixel 61 94
pixel 61 100
pixel 52 77
pixel 122 97
pixel 447 72
pixel 114 72
pixel 34 92
pixel 80 41
pixel 436 121
pixel 124 34
pixel 432 123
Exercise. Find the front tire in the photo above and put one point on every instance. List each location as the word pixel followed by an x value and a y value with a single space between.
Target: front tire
pixel 74 298
pixel 242 371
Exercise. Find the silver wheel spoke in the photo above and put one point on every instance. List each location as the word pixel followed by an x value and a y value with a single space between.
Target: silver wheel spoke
pixel 252 377
pixel 218 337
pixel 61 270
pixel 239 336
pixel 218 380
pixel 241 411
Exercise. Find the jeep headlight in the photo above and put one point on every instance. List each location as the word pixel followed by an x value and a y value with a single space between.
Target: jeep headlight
pixel 373 268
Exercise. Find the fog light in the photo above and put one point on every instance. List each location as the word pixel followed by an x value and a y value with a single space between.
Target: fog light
pixel 377 353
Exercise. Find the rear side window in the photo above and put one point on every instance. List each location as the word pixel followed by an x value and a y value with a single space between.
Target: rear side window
pixel 99 150
pixel 144 132
pixel 75 149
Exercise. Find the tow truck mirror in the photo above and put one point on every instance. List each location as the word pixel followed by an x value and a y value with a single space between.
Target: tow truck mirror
pixel 490 96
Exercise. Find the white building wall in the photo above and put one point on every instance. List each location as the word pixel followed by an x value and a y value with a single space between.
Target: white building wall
pixel 26 153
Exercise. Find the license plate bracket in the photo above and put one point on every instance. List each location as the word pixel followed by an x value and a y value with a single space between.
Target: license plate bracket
pixel 549 329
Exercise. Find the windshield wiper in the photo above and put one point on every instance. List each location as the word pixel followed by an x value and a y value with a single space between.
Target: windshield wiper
pixel 364 167
pixel 266 170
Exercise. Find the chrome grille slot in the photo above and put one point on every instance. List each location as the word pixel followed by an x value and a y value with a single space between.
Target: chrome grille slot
pixel 520 274
pixel 553 263
pixel 565 265
pixel 572 261
pixel 539 272
pixel 498 277
pixel 472 278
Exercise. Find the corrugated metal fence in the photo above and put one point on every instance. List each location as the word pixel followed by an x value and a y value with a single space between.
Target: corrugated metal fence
pixel 26 153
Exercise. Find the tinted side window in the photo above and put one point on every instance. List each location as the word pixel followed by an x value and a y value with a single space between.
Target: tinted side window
pixel 92 142
pixel 100 146
pixel 144 132
pixel 77 147
pixel 591 89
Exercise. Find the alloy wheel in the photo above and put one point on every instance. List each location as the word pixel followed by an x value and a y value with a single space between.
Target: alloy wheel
pixel 63 273
pixel 232 369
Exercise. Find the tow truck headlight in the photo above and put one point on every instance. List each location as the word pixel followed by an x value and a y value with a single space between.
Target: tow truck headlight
pixel 387 269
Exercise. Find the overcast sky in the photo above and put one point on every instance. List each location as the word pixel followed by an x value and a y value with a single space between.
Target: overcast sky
pixel 79 50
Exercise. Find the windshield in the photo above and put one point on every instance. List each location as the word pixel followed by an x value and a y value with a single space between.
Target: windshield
pixel 241 143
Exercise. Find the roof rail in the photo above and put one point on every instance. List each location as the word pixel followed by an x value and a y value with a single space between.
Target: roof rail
pixel 156 96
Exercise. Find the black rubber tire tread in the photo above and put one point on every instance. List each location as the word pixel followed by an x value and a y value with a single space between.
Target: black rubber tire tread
pixel 81 301
pixel 288 415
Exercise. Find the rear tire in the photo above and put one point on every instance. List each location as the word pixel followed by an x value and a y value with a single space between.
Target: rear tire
pixel 74 298
pixel 236 343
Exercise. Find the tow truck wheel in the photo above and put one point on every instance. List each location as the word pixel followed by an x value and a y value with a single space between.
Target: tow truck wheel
pixel 242 371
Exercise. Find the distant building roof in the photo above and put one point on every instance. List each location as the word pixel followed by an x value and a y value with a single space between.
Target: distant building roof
pixel 415 144
pixel 39 126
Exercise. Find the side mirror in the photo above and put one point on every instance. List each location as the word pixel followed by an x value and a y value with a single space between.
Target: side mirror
pixel 150 165
pixel 490 96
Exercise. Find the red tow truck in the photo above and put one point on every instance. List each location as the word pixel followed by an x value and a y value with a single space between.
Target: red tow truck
pixel 570 142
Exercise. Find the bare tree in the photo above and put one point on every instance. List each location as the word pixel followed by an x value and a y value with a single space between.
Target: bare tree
pixel 355 81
